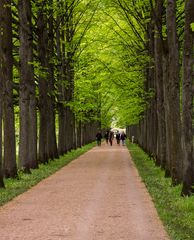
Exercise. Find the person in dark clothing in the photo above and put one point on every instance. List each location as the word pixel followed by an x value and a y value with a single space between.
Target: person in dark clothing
pixel 118 137
pixel 111 136
pixel 123 137
pixel 98 138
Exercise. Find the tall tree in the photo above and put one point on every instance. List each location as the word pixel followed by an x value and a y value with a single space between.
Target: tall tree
pixel 46 43
pixel 173 96
pixel 1 103
pixel 161 143
pixel 10 168
pixel 43 81
pixel 60 47
pixel 1 159
pixel 152 114
pixel 52 142
pixel 188 66
pixel 28 119
pixel 69 85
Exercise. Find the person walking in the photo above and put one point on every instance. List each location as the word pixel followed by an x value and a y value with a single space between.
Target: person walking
pixel 98 138
pixel 123 137
pixel 118 137
pixel 111 136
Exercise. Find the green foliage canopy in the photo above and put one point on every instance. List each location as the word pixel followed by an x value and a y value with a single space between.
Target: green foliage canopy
pixel 109 72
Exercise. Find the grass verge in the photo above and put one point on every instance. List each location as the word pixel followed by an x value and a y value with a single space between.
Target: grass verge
pixel 176 212
pixel 14 187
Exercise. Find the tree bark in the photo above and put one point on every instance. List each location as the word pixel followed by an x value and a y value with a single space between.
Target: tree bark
pixel 28 118
pixel 10 168
pixel 52 142
pixel 79 127
pixel 1 159
pixel 62 140
pixel 43 85
pixel 165 61
pixel 153 121
pixel 161 141
pixel 187 133
pixel 174 122
pixel 70 123
pixel 1 104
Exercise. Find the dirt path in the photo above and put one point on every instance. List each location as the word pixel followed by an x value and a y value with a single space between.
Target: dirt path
pixel 99 196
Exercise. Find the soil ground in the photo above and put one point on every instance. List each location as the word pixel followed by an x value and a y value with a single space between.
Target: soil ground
pixel 98 196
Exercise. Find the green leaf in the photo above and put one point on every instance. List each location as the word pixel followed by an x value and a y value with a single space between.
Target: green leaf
pixel 192 26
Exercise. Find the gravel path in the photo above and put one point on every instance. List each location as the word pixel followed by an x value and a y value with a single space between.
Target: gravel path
pixel 98 196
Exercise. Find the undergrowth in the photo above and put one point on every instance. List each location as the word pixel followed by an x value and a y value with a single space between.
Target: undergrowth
pixel 14 187
pixel 176 212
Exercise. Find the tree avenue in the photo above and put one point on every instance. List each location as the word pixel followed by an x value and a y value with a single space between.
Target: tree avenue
pixel 70 68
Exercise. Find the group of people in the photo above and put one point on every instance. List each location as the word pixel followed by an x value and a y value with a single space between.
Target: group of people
pixel 109 136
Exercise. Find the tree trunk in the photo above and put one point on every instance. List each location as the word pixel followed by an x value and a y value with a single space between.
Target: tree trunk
pixel 52 142
pixel 79 127
pixel 1 104
pixel 174 122
pixel 161 142
pixel 43 85
pixel 62 143
pixel 62 133
pixel 70 122
pixel 153 122
pixel 10 168
pixel 188 171
pixel 28 119
pixel 166 106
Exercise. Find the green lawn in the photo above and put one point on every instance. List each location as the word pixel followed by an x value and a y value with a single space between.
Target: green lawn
pixel 176 212
pixel 14 187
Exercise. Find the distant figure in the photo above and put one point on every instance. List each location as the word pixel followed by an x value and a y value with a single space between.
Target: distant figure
pixel 106 136
pixel 111 136
pixel 132 139
pixel 123 137
pixel 98 138
pixel 118 137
